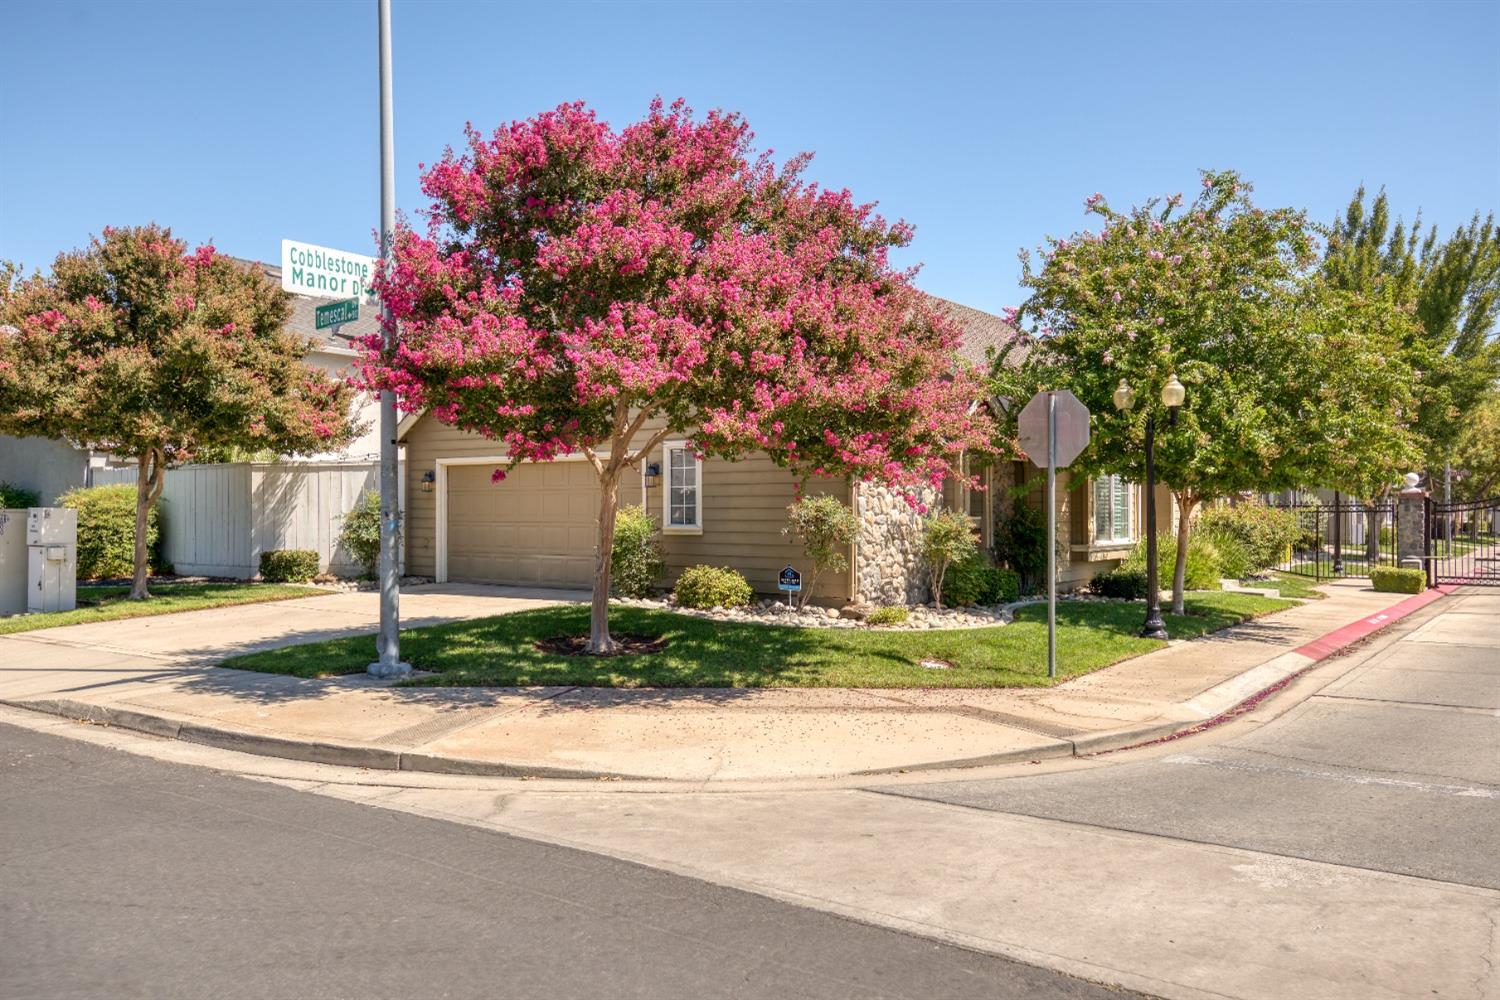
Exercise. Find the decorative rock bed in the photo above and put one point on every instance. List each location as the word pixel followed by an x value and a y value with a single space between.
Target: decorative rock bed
pixel 766 612
pixel 345 584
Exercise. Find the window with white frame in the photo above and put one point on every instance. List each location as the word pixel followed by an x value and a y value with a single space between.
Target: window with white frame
pixel 683 496
pixel 1114 519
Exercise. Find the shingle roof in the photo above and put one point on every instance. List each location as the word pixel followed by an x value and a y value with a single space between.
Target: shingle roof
pixel 303 319
pixel 982 332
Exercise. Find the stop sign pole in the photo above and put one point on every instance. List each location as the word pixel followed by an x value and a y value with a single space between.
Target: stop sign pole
pixel 1051 534
pixel 1053 430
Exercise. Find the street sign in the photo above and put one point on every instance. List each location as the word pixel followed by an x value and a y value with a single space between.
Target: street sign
pixel 1053 429
pixel 1072 428
pixel 336 314
pixel 790 580
pixel 308 269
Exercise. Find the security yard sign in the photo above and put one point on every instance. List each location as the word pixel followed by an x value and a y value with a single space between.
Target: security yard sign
pixel 325 273
pixel 336 314
pixel 789 582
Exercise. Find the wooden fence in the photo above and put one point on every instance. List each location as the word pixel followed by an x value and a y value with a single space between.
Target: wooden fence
pixel 217 519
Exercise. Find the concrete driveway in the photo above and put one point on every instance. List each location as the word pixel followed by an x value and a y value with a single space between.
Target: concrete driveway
pixel 87 658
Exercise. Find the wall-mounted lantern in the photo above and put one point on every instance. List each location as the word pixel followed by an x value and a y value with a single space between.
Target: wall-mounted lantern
pixel 653 473
pixel 429 479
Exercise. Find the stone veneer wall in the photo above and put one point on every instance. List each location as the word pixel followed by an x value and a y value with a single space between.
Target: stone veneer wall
pixel 888 564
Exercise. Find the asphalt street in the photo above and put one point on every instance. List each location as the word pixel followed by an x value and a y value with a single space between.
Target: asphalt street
pixel 1394 767
pixel 122 876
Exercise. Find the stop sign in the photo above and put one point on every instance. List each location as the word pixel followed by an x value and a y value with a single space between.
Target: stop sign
pixel 1072 427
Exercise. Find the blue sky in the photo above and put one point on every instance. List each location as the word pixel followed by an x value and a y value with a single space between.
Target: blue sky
pixel 985 125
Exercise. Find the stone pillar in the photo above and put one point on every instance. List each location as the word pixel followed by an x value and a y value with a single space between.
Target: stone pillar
pixel 1411 525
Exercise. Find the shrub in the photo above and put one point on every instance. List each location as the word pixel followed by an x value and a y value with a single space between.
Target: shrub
pixel 947 538
pixel 361 531
pixel 13 497
pixel 887 616
pixel 106 530
pixel 636 562
pixel 288 565
pixel 712 587
pixel 975 581
pixel 1263 533
pixel 1394 580
pixel 1203 569
pixel 826 527
pixel 1234 558
pixel 1021 543
pixel 1122 583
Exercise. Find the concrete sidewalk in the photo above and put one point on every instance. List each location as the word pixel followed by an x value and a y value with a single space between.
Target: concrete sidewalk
pixel 157 675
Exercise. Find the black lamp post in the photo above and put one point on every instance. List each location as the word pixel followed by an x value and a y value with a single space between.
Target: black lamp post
pixel 1172 395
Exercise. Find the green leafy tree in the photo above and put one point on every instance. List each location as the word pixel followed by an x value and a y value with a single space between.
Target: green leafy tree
pixel 826 527
pixel 1212 292
pixel 947 538
pixel 1452 288
pixel 1478 452
pixel 139 347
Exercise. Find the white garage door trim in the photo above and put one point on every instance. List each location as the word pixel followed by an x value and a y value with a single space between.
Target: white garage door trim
pixel 440 487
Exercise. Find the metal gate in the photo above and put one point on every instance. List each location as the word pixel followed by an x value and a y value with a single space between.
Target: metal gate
pixel 1340 539
pixel 1463 542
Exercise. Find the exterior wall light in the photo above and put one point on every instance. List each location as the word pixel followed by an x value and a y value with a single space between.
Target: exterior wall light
pixel 653 473
pixel 428 481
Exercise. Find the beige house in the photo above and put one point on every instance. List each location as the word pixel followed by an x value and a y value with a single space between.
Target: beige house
pixel 537 526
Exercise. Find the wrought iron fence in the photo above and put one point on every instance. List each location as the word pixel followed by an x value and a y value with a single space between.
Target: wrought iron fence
pixel 1463 542
pixel 1341 539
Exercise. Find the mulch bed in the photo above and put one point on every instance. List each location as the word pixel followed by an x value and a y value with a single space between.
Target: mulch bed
pixel 625 645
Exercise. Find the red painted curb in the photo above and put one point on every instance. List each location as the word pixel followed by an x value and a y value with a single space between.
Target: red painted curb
pixel 1327 645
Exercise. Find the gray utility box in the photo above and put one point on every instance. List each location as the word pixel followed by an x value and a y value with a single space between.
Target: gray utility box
pixel 12 561
pixel 51 559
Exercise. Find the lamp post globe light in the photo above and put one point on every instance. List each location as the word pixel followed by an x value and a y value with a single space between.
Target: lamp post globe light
pixel 1172 396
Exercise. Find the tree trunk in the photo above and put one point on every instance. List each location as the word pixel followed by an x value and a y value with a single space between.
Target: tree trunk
pixel 600 642
pixel 807 591
pixel 1372 535
pixel 1185 505
pixel 148 484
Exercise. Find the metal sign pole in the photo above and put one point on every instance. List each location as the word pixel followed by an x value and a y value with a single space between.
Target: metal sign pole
pixel 1051 534
pixel 388 645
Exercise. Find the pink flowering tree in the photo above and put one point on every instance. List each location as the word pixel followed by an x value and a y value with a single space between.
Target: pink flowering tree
pixel 587 290
pixel 140 348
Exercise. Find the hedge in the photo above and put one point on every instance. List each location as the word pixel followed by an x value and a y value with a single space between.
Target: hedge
pixel 106 530
pixel 14 497
pixel 636 562
pixel 288 565
pixel 1121 583
pixel 1264 533
pixel 1394 580
pixel 975 581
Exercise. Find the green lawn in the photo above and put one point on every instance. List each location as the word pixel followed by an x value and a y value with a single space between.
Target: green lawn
pixel 701 653
pixel 1289 585
pixel 108 603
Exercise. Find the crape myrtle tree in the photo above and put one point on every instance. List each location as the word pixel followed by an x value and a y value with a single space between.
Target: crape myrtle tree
pixel 1212 292
pixel 586 290
pixel 139 347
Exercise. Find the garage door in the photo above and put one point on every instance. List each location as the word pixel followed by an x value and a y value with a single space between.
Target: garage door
pixel 534 528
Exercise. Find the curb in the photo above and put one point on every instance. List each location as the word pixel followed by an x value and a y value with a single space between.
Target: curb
pixel 1201 712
